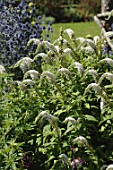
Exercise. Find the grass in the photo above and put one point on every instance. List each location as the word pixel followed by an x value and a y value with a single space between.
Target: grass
pixel 81 29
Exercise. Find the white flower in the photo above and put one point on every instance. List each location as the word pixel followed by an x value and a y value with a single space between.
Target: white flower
pixel 64 71
pixel 43 55
pixel 64 158
pixel 107 60
pixel 110 167
pixel 102 103
pixel 70 32
pixel 24 64
pixel 49 75
pixel 94 87
pixel 27 82
pixel 93 73
pixel 41 114
pixel 108 76
pixel 32 73
pixel 2 69
pixel 67 50
pixel 50 46
pixel 91 43
pixel 109 34
pixel 81 39
pixel 35 41
pixel 72 120
pixel 57 48
pixel 18 83
pixel 82 140
pixel 96 39
pixel 88 49
pixel 46 116
pixel 79 66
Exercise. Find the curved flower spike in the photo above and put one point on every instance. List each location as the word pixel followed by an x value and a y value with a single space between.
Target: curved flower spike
pixel 109 34
pixel 91 43
pixel 64 158
pixel 64 71
pixel 110 167
pixel 107 61
pixel 49 75
pixel 24 64
pixel 95 87
pixel 35 41
pixel 2 69
pixel 108 76
pixel 93 73
pixel 33 74
pixel 72 120
pixel 67 51
pixel 42 55
pixel 27 83
pixel 82 140
pixel 96 39
pixel 79 67
pixel 70 33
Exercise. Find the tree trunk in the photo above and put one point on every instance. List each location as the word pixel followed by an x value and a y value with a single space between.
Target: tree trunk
pixel 107 6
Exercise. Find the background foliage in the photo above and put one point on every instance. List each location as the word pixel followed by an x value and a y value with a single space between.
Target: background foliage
pixel 69 11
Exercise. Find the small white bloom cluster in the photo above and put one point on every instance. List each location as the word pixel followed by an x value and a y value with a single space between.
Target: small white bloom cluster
pixel 82 140
pixel 43 55
pixel 35 41
pixel 49 75
pixel 70 32
pixel 93 73
pixel 96 39
pixel 88 49
pixel 2 69
pixel 93 86
pixel 108 76
pixel 33 74
pixel 81 39
pixel 110 167
pixel 44 115
pixel 107 61
pixel 109 34
pixel 64 71
pixel 24 64
pixel 72 120
pixel 91 43
pixel 50 46
pixel 64 158
pixel 27 82
pixel 102 103
pixel 67 50
pixel 79 66
pixel 57 48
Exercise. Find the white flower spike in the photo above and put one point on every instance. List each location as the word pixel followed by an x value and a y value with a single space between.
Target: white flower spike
pixel 110 167
pixel 82 140
pixel 64 158
pixel 2 69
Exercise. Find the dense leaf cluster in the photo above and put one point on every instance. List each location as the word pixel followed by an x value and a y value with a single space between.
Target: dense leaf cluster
pixel 60 117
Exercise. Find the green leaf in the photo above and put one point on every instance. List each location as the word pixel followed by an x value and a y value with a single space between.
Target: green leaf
pixel 108 117
pixel 50 158
pixel 87 105
pixel 58 112
pixel 90 118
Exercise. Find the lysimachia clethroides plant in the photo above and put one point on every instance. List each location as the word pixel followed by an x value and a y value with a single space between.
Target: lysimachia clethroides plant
pixel 56 108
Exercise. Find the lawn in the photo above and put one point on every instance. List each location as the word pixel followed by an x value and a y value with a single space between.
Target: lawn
pixel 81 29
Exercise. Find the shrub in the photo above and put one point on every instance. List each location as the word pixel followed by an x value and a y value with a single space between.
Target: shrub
pixel 61 117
